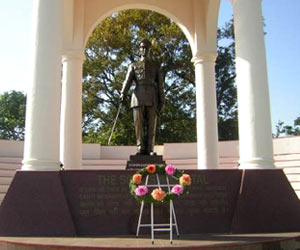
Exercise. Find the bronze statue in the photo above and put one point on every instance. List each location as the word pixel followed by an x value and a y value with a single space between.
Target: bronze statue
pixel 147 99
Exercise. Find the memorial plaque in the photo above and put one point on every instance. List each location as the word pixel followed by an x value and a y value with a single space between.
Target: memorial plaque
pixel 101 204
pixel 210 206
pixel 98 202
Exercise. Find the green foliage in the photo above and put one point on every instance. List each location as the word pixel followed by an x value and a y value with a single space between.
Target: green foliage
pixel 12 115
pixel 287 130
pixel 113 46
pixel 110 49
pixel 226 88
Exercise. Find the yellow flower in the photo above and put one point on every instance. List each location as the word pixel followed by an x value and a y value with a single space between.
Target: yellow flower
pixel 185 179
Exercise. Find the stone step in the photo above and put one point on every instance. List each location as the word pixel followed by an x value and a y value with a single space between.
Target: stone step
pixel 103 162
pixel 296 186
pixel 287 157
pixel 181 161
pixel 186 166
pixel 105 167
pixel 7 173
pixel 285 164
pixel 291 170
pixel 298 193
pixel 228 166
pixel 2 197
pixel 10 160
pixel 10 166
pixel 228 160
pixel 3 189
pixel 293 177
pixel 5 180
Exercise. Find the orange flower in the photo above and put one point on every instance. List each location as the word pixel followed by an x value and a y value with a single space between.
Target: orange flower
pixel 158 194
pixel 151 169
pixel 137 178
pixel 185 179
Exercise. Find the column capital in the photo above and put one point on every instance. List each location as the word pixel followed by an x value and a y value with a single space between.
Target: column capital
pixel 73 54
pixel 204 57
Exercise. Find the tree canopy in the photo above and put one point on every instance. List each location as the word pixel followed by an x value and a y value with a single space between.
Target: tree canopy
pixel 287 130
pixel 12 115
pixel 113 46
pixel 226 88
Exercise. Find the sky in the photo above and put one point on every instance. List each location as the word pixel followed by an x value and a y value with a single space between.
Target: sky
pixel 282 40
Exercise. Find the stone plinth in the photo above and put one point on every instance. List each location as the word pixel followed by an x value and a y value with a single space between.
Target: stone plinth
pixel 141 161
pixel 98 202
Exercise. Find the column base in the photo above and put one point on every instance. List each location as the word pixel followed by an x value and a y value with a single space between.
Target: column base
pixel 257 163
pixel 201 166
pixel 40 165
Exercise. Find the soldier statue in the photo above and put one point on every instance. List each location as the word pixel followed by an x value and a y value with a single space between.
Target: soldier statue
pixel 147 99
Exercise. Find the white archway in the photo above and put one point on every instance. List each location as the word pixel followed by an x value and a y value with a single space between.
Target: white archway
pixel 203 45
pixel 198 20
pixel 184 28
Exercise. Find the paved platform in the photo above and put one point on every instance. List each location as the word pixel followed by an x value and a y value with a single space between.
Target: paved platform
pixel 274 241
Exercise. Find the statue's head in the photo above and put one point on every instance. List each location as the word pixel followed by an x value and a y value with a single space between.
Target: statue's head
pixel 145 48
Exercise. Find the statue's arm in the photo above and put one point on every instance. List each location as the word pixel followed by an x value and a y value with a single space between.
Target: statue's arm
pixel 127 82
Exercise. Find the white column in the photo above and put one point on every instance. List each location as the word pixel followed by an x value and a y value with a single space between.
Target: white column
pixel 41 150
pixel 206 111
pixel 255 133
pixel 71 110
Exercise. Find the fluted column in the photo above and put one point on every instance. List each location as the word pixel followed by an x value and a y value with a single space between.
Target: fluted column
pixel 41 150
pixel 206 111
pixel 71 110
pixel 255 133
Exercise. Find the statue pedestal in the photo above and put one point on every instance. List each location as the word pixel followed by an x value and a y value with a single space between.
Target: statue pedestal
pixel 98 202
pixel 141 161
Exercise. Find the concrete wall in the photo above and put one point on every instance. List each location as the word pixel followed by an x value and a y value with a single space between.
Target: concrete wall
pixel 182 155
pixel 227 149
pixel 11 148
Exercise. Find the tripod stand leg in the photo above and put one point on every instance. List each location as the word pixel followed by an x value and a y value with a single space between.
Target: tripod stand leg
pixel 171 222
pixel 152 224
pixel 140 218
pixel 175 220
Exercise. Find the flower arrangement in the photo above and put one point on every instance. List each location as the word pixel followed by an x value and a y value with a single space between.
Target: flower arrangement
pixel 142 193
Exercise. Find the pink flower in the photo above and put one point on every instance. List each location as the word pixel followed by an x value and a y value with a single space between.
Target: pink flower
pixel 170 170
pixel 141 190
pixel 177 189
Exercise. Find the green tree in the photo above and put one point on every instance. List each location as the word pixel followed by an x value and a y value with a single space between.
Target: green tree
pixel 226 88
pixel 12 115
pixel 113 46
pixel 287 130
pixel 110 49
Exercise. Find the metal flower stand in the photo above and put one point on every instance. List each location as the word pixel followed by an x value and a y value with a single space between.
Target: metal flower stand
pixel 159 227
